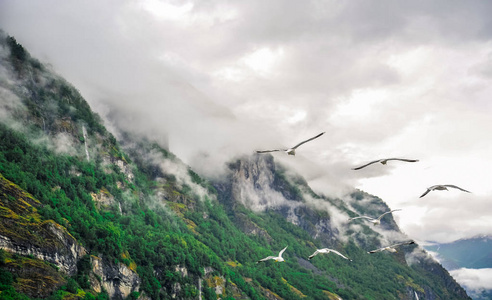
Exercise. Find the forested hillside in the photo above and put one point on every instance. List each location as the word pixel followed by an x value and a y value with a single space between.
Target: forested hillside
pixel 87 216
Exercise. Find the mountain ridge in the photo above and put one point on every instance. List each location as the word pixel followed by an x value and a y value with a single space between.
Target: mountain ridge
pixel 155 229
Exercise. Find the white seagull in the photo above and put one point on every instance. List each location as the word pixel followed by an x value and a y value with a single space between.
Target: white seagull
pixel 384 161
pixel 326 250
pixel 290 151
pixel 392 247
pixel 275 258
pixel 442 187
pixel 374 221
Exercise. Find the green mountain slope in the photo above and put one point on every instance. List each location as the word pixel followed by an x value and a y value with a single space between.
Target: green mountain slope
pixel 147 226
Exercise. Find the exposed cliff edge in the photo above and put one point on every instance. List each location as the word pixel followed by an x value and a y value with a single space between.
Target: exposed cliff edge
pixel 23 232
pixel 118 281
pixel 40 242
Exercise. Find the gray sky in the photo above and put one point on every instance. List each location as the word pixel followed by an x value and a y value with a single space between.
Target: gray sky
pixel 219 78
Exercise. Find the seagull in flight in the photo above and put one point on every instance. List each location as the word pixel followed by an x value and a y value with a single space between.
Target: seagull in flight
pixel 442 187
pixel 326 250
pixel 275 258
pixel 290 151
pixel 374 221
pixel 392 247
pixel 384 161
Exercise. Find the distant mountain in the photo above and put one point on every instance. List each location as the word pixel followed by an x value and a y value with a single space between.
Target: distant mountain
pixel 84 215
pixel 472 253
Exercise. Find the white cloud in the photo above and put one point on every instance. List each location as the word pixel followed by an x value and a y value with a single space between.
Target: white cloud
pixel 263 60
pixel 166 11
pixel 473 279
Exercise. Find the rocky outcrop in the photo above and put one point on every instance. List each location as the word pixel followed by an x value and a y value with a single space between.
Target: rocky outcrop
pixel 125 169
pixel 259 184
pixel 119 281
pixel 270 295
pixel 33 277
pixel 22 231
pixel 103 199
pixel 250 228
pixel 60 249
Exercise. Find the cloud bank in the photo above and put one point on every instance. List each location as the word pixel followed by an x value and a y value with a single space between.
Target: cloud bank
pixel 473 279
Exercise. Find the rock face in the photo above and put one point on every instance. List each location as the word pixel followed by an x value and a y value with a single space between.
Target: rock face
pixel 125 169
pixel 259 184
pixel 250 228
pixel 34 277
pixel 103 199
pixel 64 253
pixel 22 232
pixel 118 280
pixel 252 182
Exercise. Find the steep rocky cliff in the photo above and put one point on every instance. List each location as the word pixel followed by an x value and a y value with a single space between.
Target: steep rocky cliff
pixel 43 255
pixel 118 280
pixel 23 232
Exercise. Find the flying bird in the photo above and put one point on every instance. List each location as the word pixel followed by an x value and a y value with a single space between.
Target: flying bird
pixel 374 221
pixel 392 248
pixel 442 187
pixel 275 258
pixel 326 250
pixel 290 151
pixel 384 161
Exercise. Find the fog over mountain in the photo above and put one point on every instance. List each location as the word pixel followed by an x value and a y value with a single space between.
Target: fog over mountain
pixel 217 80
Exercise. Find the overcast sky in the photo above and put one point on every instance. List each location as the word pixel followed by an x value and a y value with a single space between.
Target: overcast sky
pixel 217 79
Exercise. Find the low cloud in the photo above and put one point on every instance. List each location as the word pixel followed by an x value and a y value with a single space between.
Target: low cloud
pixel 417 256
pixel 447 217
pixel 474 279
pixel 178 170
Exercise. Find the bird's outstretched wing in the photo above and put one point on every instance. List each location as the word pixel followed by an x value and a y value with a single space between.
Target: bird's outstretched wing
pixel 392 246
pixel 314 254
pixel 384 160
pixel 426 192
pixel 377 250
pixel 401 244
pixel 387 213
pixel 327 250
pixel 295 147
pixel 266 258
pixel 340 254
pixel 404 159
pixel 282 252
pixel 363 166
pixel 361 217
pixel 267 151
pixel 456 187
